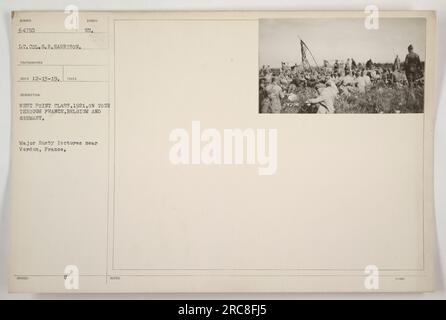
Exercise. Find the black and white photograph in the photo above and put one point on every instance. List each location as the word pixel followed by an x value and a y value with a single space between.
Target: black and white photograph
pixel 341 66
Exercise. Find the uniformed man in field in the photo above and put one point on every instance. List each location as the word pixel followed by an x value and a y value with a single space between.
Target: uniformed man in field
pixel 412 66
pixel 327 96
pixel 275 95
pixel 397 63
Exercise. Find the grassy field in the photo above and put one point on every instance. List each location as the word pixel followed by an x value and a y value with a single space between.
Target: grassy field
pixel 377 99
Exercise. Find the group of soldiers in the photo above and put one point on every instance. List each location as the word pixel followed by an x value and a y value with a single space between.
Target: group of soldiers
pixel 280 86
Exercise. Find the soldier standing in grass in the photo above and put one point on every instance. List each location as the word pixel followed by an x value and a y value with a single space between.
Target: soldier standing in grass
pixel 412 65
pixel 397 63
pixel 275 95
pixel 265 103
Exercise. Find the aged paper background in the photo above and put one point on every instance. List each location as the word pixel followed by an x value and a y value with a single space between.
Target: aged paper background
pixel 350 190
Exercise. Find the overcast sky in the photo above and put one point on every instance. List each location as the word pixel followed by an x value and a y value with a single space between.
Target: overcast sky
pixel 330 39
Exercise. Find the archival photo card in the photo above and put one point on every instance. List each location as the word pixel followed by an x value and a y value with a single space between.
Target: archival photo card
pixel 142 162
pixel 342 65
